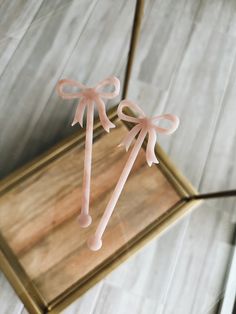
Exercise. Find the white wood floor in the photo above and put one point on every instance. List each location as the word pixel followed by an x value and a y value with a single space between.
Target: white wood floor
pixel 186 64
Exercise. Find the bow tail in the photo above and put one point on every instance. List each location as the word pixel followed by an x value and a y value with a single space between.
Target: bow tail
pixel 106 123
pixel 150 150
pixel 130 136
pixel 79 114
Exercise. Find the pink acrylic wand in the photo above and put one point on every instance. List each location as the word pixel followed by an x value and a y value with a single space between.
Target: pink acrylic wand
pixel 143 126
pixel 87 98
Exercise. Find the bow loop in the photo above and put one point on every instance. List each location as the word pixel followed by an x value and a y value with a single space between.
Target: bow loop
pixel 129 104
pixel 88 96
pixel 149 124
pixel 169 117
pixel 65 82
pixel 110 81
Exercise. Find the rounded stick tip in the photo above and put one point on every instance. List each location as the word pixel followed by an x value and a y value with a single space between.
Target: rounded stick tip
pixel 94 243
pixel 84 220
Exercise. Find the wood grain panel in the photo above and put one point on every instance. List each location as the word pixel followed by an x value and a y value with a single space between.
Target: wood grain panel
pixel 38 216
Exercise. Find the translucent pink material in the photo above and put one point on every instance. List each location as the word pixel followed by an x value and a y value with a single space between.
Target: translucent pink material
pixel 88 97
pixel 144 126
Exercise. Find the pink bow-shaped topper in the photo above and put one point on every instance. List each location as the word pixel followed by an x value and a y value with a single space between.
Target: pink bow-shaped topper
pixel 143 127
pixel 148 124
pixel 90 96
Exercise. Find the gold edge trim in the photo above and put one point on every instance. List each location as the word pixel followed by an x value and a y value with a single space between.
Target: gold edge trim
pixel 179 210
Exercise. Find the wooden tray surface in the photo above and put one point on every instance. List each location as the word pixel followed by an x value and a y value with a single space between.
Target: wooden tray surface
pixel 38 216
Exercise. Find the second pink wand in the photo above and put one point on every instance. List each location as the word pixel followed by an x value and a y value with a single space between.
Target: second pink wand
pixel 88 97
pixel 144 126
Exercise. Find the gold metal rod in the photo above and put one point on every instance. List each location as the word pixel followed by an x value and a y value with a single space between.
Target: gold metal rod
pixel 218 194
pixel 139 8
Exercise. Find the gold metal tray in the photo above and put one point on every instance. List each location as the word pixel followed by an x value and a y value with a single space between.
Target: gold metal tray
pixel 43 250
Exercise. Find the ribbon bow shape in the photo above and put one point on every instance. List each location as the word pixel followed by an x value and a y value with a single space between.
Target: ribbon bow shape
pixel 145 123
pixel 90 95
pixel 144 126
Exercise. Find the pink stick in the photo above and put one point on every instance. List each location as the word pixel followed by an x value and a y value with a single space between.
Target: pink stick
pixel 84 217
pixel 95 242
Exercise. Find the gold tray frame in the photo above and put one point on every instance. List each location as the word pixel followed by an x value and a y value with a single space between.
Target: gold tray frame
pixel 9 263
pixel 17 276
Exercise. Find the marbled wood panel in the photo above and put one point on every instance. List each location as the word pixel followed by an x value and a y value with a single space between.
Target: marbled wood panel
pixel 189 63
pixel 15 18
pixel 186 278
pixel 9 301
pixel 167 29
pixel 38 217
pixel 220 172
pixel 218 14
pixel 160 52
pixel 116 300
pixel 149 272
pixel 85 304
pixel 208 77
pixel 196 96
pixel 202 264
pixel 32 74
pixel 66 50
pixel 7 48
pixel 49 8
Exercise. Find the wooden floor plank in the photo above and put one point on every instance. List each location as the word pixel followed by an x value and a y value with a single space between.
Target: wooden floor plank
pixel 15 18
pixel 53 62
pixel 36 65
pixel 114 300
pixel 9 301
pixel 196 96
pixel 198 280
pixel 222 153
pixel 87 303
